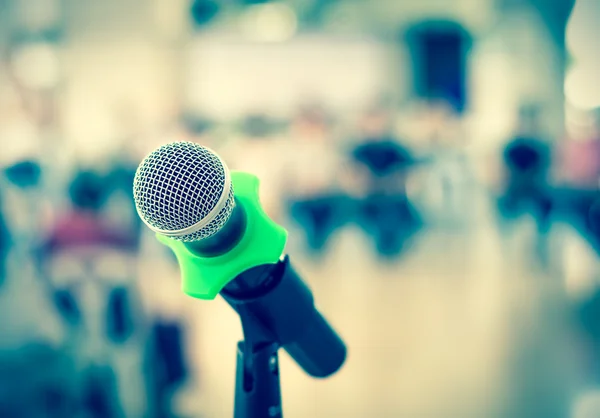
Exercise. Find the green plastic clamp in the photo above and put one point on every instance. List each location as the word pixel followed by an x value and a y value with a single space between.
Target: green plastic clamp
pixel 263 243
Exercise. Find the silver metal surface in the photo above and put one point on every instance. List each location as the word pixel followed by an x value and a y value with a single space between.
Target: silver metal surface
pixel 183 190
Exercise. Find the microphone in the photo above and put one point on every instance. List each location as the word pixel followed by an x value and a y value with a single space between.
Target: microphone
pixel 225 243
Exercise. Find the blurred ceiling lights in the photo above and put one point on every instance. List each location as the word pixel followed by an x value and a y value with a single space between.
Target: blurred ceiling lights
pixel 270 22
pixel 36 65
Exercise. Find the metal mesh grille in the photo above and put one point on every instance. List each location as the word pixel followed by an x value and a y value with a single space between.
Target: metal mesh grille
pixel 178 185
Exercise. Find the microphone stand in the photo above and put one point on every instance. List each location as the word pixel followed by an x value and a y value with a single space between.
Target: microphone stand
pixel 277 311
pixel 257 385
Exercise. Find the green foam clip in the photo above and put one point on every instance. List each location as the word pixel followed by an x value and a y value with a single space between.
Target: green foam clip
pixel 263 243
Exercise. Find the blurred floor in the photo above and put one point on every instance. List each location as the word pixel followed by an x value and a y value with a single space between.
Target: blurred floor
pixel 455 329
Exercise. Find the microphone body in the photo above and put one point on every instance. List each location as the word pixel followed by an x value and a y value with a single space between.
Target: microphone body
pixel 225 243
pixel 277 297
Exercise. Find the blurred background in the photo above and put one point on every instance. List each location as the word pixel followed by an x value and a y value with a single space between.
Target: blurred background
pixel 436 162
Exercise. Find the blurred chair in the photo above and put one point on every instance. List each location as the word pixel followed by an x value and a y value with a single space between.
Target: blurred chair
pixel 100 393
pixel 311 173
pixel 167 365
pixel 526 189
pixel 88 191
pixel 120 321
pixel 527 161
pixel 24 174
pixel 391 220
pixel 320 216
pixel 385 212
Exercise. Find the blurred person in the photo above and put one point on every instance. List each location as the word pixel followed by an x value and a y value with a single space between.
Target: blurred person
pixel 55 310
pixel 256 147
pixel 526 187
pixel 83 296
pixel 26 201
pixel 449 173
pixel 384 163
pixel 119 207
pixel 25 204
pixel 90 269
pixel 30 157
pixel 313 173
pixel 133 363
pixel 26 208
pixel 527 163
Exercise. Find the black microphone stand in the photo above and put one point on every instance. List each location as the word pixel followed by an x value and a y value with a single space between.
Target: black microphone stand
pixel 277 311
pixel 257 385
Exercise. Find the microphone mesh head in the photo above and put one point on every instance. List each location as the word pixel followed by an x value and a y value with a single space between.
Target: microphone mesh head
pixel 180 185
